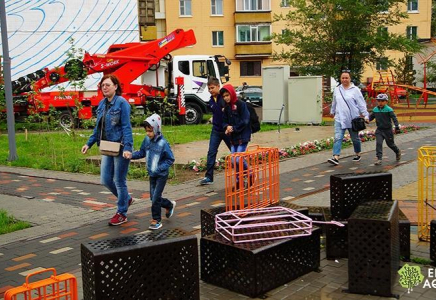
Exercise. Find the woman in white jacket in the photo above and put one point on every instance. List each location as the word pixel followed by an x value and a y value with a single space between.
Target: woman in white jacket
pixel 348 104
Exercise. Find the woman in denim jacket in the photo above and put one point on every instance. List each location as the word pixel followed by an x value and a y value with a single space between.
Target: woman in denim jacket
pixel 117 128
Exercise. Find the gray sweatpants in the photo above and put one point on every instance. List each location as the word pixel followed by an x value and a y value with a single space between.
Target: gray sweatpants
pixel 380 136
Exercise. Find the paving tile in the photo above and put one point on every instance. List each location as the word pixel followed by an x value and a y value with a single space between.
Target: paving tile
pixel 24 257
pixel 17 267
pixel 61 250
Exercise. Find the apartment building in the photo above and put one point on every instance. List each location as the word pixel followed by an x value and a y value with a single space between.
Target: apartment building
pixel 239 29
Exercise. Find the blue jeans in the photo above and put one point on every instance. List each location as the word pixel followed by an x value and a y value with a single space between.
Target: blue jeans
pixel 157 185
pixel 339 136
pixel 114 178
pixel 239 148
pixel 214 143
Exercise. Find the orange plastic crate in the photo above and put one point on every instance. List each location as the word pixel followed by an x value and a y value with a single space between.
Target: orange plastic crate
pixel 255 186
pixel 57 287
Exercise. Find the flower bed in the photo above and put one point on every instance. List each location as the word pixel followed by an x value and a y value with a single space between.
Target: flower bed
pixel 303 148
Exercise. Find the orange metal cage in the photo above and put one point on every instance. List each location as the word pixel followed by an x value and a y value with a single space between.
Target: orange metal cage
pixel 252 178
pixel 57 287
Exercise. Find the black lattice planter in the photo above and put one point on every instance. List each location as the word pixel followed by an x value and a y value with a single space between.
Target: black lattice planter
pixel 207 220
pixel 433 240
pixel 159 265
pixel 253 269
pixel 336 241
pixel 347 191
pixel 404 230
pixel 374 248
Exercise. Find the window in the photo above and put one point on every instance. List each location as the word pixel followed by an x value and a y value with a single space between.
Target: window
pixel 185 8
pixel 184 67
pixel 284 3
pixel 412 5
pixel 250 68
pixel 217 7
pixel 383 32
pixel 217 38
pixel 253 5
pixel 203 68
pixel 253 33
pixel 411 32
pixel 382 64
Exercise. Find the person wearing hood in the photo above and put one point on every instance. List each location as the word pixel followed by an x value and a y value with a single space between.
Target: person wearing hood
pixel 159 159
pixel 236 122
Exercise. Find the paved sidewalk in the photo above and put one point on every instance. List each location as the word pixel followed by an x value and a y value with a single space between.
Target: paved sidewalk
pixel 69 209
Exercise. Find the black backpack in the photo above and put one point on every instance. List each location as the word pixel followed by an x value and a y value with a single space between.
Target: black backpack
pixel 254 118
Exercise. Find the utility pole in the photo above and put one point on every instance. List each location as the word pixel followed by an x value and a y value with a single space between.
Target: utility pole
pixel 8 84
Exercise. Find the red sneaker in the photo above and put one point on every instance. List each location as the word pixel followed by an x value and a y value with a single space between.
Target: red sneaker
pixel 117 219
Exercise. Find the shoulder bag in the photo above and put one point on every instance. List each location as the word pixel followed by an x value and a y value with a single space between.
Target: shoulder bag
pixel 108 148
pixel 357 124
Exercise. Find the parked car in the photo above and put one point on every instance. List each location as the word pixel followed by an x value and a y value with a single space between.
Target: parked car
pixel 252 94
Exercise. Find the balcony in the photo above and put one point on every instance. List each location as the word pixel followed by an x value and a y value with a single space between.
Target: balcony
pixel 253 17
pixel 252 50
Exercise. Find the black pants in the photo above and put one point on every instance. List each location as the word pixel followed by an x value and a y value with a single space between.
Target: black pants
pixel 380 136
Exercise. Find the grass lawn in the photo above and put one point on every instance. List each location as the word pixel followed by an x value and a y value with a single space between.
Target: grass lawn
pixel 56 150
pixel 9 224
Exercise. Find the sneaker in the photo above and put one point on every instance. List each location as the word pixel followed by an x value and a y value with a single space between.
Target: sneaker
pixel 333 161
pixel 357 158
pixel 206 181
pixel 170 211
pixel 117 219
pixel 131 201
pixel 398 156
pixel 378 162
pixel 155 225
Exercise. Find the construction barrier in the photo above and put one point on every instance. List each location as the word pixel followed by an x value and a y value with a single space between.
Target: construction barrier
pixel 252 178
pixel 57 287
pixel 426 190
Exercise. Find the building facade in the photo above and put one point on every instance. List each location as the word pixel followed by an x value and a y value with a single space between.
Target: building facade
pixel 239 29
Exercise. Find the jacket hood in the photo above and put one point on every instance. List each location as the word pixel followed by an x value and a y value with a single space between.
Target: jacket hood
pixel 155 121
pixel 233 98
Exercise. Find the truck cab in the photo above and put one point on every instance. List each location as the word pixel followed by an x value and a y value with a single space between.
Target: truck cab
pixel 196 70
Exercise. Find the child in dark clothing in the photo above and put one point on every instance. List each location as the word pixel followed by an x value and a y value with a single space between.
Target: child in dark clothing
pixel 159 159
pixel 384 115
pixel 236 123
pixel 216 105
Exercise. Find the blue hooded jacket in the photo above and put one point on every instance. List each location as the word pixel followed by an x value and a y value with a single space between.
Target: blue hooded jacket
pixel 157 151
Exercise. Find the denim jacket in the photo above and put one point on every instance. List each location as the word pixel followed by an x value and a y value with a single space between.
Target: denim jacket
pixel 159 156
pixel 116 125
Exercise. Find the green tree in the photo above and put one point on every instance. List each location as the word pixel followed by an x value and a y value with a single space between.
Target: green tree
pixel 328 35
pixel 404 73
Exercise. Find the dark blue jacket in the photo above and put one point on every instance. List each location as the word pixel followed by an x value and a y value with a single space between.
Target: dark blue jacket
pixel 217 112
pixel 240 120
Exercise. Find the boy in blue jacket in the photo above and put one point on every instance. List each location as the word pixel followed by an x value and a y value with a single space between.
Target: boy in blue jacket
pixel 159 158
pixel 384 116
pixel 217 135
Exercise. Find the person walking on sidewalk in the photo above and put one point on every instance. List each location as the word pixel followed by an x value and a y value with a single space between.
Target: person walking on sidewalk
pixel 113 124
pixel 236 123
pixel 159 159
pixel 384 116
pixel 348 104
pixel 217 135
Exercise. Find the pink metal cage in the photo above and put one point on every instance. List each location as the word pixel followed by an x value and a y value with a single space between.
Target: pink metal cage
pixel 260 224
